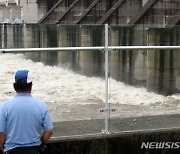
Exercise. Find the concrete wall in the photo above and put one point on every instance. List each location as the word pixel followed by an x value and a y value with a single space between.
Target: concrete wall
pixel 31 11
pixel 120 143
pixel 10 12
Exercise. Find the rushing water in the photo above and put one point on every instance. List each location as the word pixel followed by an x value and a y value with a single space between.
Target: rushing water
pixel 72 83
pixel 157 71
pixel 56 84
pixel 65 91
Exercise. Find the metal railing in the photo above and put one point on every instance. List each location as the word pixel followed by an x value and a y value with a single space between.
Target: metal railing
pixel 105 48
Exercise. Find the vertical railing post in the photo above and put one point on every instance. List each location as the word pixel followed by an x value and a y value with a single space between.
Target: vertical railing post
pixel 106 109
pixel 2 45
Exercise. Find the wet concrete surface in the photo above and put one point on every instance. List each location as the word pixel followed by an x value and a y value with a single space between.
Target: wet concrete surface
pixel 91 110
pixel 116 125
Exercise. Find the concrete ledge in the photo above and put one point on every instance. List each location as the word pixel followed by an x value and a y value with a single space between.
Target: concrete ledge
pixel 123 142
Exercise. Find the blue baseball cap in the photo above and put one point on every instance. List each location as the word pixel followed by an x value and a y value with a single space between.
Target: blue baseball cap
pixel 22 75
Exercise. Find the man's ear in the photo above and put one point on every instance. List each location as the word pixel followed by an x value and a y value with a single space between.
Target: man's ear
pixel 15 86
pixel 30 88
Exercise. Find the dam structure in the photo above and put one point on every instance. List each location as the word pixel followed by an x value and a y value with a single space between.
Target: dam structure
pixel 114 12
pixel 160 13
pixel 144 85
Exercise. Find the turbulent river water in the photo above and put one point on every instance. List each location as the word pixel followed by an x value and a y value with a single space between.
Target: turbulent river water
pixel 72 96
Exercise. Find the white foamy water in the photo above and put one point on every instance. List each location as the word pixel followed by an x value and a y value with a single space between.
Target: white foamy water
pixel 52 84
pixel 58 86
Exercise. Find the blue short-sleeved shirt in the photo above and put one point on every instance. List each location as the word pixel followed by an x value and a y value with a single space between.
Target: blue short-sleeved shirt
pixel 22 119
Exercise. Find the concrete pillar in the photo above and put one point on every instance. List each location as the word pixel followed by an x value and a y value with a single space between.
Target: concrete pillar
pixel 43 36
pixel 139 56
pixel 15 36
pixel 43 43
pixel 169 73
pixel 28 36
pixel 152 61
pixel 31 40
pixel 52 57
pixel 176 57
pixel 11 36
pixel 127 57
pixel 114 56
pixel 62 38
pixel 160 64
pixel 86 57
pixel 177 70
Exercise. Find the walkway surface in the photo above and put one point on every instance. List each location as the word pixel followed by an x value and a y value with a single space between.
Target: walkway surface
pixel 95 126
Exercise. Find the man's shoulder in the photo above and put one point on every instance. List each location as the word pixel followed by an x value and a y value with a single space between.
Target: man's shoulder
pixel 37 100
pixel 6 104
pixel 40 102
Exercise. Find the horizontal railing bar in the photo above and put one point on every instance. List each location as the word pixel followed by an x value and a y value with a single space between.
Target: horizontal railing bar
pixel 49 49
pixel 11 50
pixel 142 47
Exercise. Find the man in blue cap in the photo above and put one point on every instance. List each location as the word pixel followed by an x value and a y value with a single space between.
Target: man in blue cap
pixel 22 119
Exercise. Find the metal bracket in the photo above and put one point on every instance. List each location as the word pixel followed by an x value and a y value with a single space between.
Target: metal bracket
pixel 107 110
pixel 105 132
